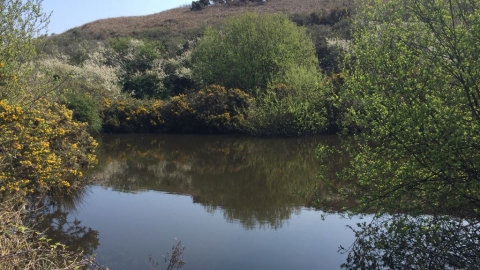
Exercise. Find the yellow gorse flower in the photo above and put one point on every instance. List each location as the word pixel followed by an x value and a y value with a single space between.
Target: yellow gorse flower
pixel 42 145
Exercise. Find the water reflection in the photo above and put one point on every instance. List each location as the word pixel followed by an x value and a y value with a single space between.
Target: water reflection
pixel 53 216
pixel 250 179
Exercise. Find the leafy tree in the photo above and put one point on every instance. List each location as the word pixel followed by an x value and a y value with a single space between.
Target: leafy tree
pixel 21 21
pixel 199 5
pixel 413 90
pixel 424 242
pixel 252 51
pixel 141 67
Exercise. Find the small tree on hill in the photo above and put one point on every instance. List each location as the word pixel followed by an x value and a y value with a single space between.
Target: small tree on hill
pixel 199 5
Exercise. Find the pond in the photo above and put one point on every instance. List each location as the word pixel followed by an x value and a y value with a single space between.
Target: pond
pixel 233 203
pixel 230 200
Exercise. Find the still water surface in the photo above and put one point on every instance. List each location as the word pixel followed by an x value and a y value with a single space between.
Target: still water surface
pixel 228 199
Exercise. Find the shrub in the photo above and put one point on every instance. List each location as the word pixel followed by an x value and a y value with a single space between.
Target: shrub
pixel 141 73
pixel 282 111
pixel 85 109
pixel 179 114
pixel 146 85
pixel 220 110
pixel 179 79
pixel 132 115
pixel 92 77
pixel 252 50
pixel 42 148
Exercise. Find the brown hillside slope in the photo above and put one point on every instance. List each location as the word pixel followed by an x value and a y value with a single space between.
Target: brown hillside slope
pixel 183 20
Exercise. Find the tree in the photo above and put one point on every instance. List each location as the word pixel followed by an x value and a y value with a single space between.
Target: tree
pixel 21 23
pixel 252 51
pixel 141 67
pixel 413 91
pixel 423 242
pixel 199 5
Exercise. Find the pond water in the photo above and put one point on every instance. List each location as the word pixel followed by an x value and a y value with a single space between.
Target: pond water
pixel 230 200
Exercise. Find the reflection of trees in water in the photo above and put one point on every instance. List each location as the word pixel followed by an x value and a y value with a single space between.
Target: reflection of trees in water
pixel 51 216
pixel 421 242
pixel 250 179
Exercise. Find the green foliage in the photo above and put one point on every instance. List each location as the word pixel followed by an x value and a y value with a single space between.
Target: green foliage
pixel 20 22
pixel 85 109
pixel 179 79
pixel 141 68
pixel 413 90
pixel 251 51
pixel 282 112
pixel 147 85
pixel 423 242
pixel 295 105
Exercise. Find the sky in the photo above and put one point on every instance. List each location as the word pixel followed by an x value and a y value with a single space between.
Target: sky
pixel 67 14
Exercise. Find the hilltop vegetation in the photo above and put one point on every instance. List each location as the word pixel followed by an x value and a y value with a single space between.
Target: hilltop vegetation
pixel 167 57
pixel 173 28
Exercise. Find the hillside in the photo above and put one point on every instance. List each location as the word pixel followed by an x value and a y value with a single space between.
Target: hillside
pixel 175 26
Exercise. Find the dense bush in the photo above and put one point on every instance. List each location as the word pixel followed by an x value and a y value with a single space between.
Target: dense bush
pixel 91 77
pixel 179 115
pixel 252 50
pixel 132 115
pixel 179 78
pixel 42 148
pixel 213 109
pixel 85 109
pixel 281 111
pixel 294 105
pixel 220 110
pixel 141 73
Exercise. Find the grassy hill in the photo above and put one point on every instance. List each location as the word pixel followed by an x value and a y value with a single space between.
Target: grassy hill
pixel 175 26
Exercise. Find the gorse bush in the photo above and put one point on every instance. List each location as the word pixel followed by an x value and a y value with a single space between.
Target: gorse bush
pixel 43 148
pixel 179 114
pixel 213 109
pixel 220 110
pixel 132 115
pixel 281 111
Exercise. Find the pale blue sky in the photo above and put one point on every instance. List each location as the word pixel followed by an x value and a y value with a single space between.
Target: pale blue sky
pixel 68 14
